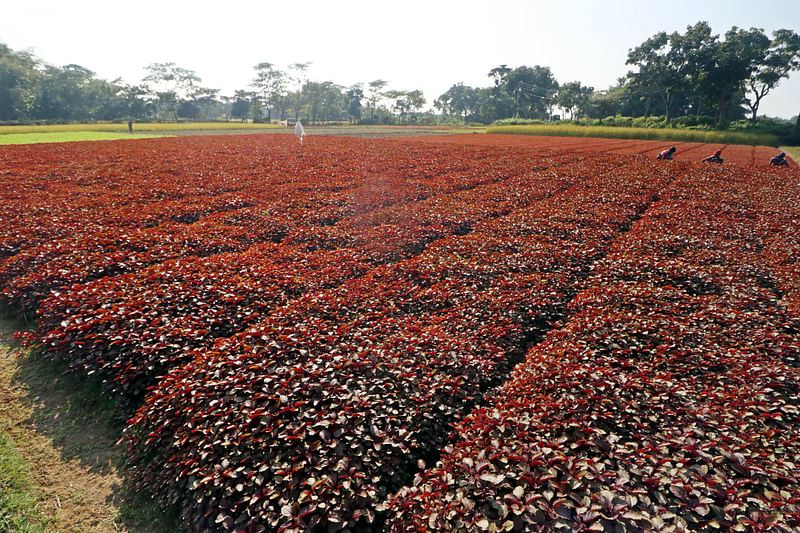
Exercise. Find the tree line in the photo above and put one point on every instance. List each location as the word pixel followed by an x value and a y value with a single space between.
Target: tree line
pixel 32 90
pixel 695 73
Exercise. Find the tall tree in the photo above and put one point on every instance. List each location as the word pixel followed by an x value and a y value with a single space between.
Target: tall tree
pixel 271 85
pixel 165 77
pixel 727 64
pixel 639 94
pixel 460 100
pixel 19 75
pixel 605 103
pixel 533 90
pixel 495 102
pixel 406 102
pixel 169 84
pixel 133 96
pixel 298 79
pixel 323 100
pixel 574 98
pixel 530 91
pixel 670 62
pixel 414 101
pixel 375 95
pixel 242 103
pixel 354 96
pixel 107 99
pixel 63 94
pixel 491 103
pixel 205 99
pixel 778 58
pixel 499 74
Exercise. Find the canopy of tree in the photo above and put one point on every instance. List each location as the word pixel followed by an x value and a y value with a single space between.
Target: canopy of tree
pixel 700 73
pixel 673 75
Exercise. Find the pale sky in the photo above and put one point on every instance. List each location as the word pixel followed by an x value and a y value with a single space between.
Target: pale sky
pixel 413 44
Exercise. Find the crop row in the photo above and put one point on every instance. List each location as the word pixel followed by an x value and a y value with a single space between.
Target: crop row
pixel 62 228
pixel 668 401
pixel 692 152
pixel 131 328
pixel 313 417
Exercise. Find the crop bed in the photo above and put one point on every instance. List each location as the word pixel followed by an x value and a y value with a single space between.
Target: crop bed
pixel 458 333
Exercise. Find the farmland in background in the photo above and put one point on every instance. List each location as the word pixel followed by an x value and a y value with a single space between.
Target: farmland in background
pixel 54 133
pixel 660 134
pixel 468 332
pixel 122 127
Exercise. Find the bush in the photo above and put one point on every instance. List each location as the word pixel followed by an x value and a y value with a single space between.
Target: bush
pixel 617 120
pixel 518 121
pixel 645 122
pixel 767 131
pixel 694 121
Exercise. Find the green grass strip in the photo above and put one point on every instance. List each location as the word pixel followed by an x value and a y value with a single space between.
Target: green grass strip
pixel 68 136
pixel 793 152
pixel 661 134
pixel 18 506
pixel 138 127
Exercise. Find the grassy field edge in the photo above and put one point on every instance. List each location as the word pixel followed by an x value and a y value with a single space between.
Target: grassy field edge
pixel 793 152
pixel 138 127
pixel 104 132
pixel 19 507
pixel 69 136
pixel 726 137
pixel 60 467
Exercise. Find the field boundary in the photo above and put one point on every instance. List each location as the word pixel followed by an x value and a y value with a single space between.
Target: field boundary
pixel 666 134
pixel 60 469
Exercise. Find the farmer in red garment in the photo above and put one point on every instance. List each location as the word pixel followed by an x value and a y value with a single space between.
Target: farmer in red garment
pixel 667 154
pixel 713 158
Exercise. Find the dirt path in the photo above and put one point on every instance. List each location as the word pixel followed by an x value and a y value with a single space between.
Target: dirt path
pixel 66 432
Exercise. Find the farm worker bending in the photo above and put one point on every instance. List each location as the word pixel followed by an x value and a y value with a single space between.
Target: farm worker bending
pixel 713 158
pixel 779 160
pixel 667 154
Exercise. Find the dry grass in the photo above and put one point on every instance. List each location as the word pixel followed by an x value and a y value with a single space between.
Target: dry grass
pixel 793 152
pixel 661 134
pixel 62 431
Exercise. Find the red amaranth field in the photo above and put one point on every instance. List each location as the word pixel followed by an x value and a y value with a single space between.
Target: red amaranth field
pixel 691 152
pixel 452 333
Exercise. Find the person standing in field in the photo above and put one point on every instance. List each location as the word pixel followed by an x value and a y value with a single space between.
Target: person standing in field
pixel 300 132
pixel 667 154
pixel 779 160
pixel 713 158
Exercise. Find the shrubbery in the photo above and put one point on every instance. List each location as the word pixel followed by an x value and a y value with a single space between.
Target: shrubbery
pixel 767 131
